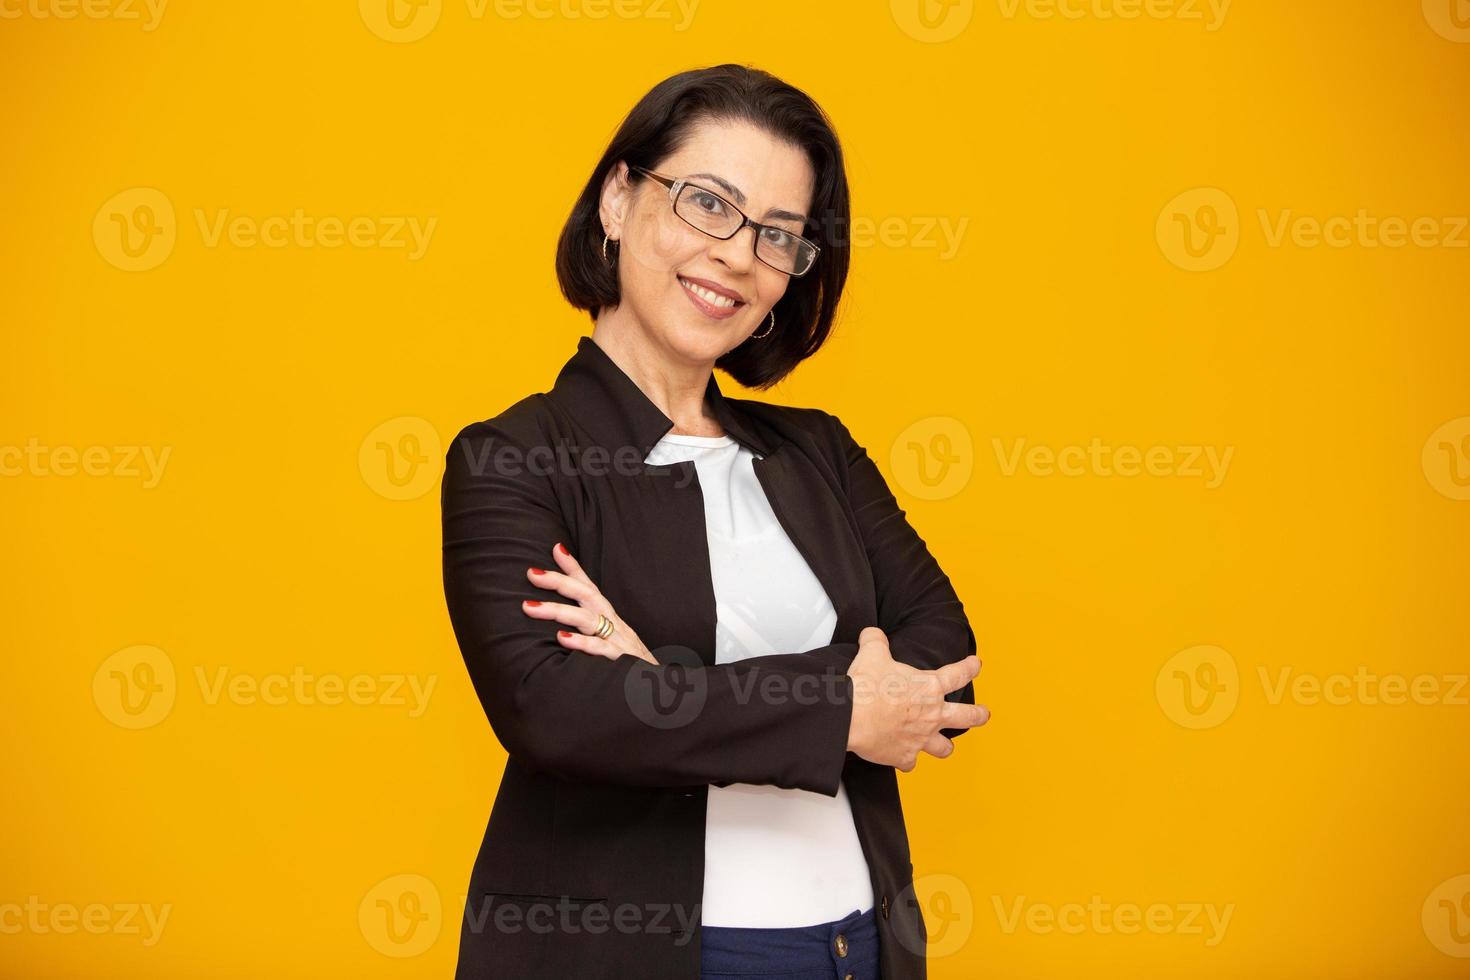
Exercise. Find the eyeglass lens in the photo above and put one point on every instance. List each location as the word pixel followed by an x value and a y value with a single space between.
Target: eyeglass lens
pixel 711 214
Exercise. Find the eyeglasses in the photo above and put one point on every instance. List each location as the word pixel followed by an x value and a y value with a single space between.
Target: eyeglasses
pixel 718 218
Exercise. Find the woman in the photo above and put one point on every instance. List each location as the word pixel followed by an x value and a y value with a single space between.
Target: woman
pixel 701 627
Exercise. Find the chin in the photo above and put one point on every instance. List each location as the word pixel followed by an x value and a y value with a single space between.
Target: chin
pixel 695 339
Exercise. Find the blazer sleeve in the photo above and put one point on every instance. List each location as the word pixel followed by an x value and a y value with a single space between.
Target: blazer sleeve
pixel 571 714
pixel 917 605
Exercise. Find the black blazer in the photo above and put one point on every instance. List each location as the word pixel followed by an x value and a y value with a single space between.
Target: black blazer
pixel 593 861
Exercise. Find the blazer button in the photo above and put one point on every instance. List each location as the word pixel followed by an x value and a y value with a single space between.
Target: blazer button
pixel 840 944
pixel 883 906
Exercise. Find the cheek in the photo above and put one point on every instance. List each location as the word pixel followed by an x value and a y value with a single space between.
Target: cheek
pixel 657 245
pixel 770 286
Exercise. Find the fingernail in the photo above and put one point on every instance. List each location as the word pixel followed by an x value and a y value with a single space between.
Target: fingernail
pixel 563 549
pixel 563 633
pixel 533 602
pixel 538 571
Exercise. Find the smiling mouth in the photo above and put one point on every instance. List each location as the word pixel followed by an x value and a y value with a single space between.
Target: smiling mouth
pixel 709 296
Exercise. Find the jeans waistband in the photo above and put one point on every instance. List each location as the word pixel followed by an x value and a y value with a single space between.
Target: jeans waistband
pixel 740 949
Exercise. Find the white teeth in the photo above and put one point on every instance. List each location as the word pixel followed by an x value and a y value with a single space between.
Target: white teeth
pixel 712 298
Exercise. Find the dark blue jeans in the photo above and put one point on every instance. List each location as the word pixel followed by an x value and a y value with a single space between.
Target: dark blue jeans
pixel 847 947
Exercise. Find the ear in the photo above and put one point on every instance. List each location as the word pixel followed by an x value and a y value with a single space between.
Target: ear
pixel 617 194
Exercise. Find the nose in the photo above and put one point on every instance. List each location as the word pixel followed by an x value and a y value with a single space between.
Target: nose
pixel 737 253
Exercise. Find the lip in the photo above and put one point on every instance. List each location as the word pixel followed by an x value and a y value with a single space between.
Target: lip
pixel 715 312
pixel 715 287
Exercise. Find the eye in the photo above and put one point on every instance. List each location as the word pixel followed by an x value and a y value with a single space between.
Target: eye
pixel 708 202
pixel 778 238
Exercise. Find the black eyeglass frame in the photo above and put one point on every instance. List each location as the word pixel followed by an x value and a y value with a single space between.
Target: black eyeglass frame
pixel 677 184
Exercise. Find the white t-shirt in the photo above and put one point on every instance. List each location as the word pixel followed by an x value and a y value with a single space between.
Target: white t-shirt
pixel 773 857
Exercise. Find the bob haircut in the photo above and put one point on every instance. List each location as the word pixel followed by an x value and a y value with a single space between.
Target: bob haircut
pixel 658 126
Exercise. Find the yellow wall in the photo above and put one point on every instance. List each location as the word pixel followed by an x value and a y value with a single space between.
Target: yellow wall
pixel 1024 306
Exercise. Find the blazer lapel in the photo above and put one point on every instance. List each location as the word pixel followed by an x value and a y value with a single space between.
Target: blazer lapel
pixel 616 413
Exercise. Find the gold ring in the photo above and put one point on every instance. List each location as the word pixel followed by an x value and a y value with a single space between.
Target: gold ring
pixel 604 627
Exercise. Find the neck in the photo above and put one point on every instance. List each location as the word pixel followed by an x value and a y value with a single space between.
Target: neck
pixel 675 386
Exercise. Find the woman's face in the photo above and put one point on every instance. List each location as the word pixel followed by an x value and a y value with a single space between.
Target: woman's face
pixel 658 252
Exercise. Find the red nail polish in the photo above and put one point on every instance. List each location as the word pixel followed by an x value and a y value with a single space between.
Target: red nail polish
pixel 563 633
pixel 538 571
pixel 533 602
pixel 563 549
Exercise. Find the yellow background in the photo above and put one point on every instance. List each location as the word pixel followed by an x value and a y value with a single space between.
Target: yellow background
pixel 273 540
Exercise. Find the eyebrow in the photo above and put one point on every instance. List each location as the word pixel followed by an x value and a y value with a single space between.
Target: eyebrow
pixel 733 191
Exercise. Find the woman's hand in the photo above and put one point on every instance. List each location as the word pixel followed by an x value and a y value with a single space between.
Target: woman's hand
pixel 573 583
pixel 898 710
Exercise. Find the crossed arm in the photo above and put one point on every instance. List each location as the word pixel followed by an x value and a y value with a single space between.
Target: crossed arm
pixel 571 714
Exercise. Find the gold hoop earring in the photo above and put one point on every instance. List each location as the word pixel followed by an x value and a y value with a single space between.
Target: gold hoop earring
pixel 768 329
pixel 604 246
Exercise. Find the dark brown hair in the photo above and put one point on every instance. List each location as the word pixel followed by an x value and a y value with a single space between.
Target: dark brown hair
pixel 655 128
